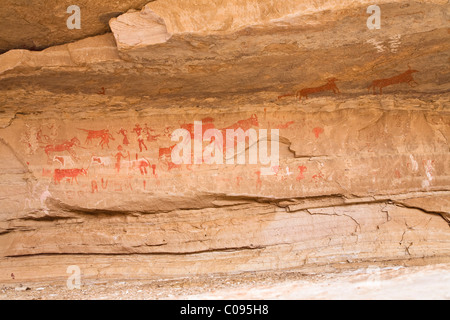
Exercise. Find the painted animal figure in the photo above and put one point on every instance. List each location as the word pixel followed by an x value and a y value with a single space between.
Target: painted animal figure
pixel 101 161
pixel 71 174
pixel 65 161
pixel 166 152
pixel 65 146
pixel 285 125
pixel 165 156
pixel 141 164
pixel 286 95
pixel 42 138
pixel 244 124
pixel 207 124
pixel 329 86
pixel 103 135
pixel 405 77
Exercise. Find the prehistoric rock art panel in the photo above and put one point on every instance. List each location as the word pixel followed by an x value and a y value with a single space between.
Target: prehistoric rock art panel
pixel 73 165
pixel 87 142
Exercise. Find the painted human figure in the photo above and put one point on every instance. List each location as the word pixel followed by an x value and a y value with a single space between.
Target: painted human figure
pixel 138 130
pixel 119 156
pixel 124 133
pixel 148 133
pixel 94 186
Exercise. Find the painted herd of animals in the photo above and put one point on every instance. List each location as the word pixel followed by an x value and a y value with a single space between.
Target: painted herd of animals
pixel 379 84
pixel 64 152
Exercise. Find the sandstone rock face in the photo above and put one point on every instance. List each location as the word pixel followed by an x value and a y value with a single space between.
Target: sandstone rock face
pixel 36 25
pixel 88 133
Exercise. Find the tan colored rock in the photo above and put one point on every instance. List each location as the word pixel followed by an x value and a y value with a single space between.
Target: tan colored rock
pixel 159 20
pixel 139 29
pixel 87 176
pixel 36 25
pixel 356 206
pixel 205 17
pixel 87 51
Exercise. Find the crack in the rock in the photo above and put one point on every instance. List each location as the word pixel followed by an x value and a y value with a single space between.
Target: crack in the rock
pixel 287 142
pixel 106 29
pixel 358 226
pixel 167 253
pixel 28 174
pixel 409 246
pixel 443 214
pixel 16 229
pixel 446 140
pixel 11 120
pixel 240 200
pixel 388 217
pixel 403 237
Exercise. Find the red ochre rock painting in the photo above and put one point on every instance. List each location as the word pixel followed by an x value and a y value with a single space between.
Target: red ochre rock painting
pixel 302 170
pixel 285 125
pixel 405 77
pixel 103 135
pixel 124 133
pixel 329 86
pixel 140 138
pixel 67 162
pixel 70 174
pixel 378 84
pixel 103 165
pixel 64 146
pixel 304 93
pixel 317 132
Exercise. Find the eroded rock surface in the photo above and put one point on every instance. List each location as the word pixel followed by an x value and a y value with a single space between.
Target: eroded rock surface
pixel 36 25
pixel 87 173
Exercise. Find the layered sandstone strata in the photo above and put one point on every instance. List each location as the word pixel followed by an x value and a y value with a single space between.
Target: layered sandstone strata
pixel 87 174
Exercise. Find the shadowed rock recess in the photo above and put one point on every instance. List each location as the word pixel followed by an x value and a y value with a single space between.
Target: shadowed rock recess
pixel 86 175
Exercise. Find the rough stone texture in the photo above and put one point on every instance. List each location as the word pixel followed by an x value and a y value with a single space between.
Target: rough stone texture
pixel 362 177
pixel 429 282
pixel 35 25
